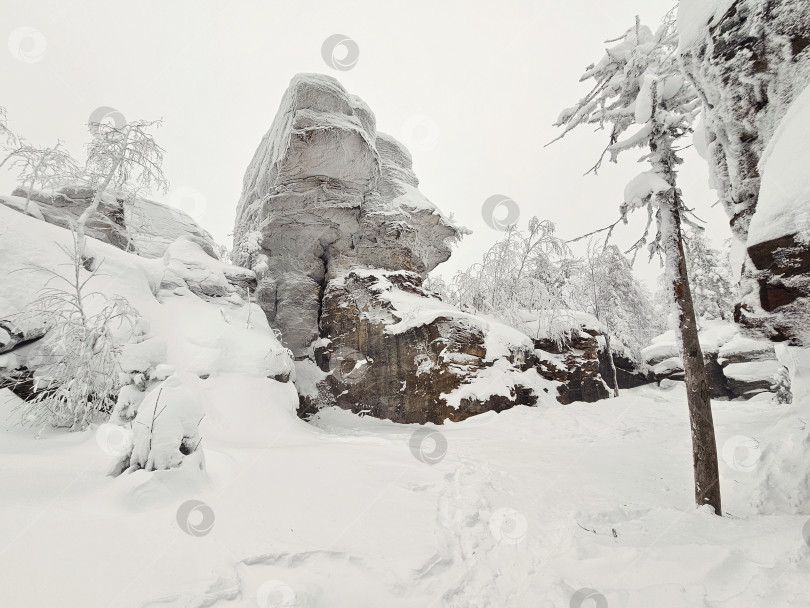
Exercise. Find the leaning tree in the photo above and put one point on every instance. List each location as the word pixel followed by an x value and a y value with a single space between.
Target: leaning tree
pixel 121 160
pixel 642 100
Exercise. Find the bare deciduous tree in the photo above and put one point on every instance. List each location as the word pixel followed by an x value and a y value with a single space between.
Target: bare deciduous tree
pixel 42 168
pixel 121 160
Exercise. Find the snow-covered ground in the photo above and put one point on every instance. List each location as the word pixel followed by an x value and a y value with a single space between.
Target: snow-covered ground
pixel 524 508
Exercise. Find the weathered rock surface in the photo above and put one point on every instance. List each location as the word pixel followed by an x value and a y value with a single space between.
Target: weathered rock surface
pixel 393 350
pixel 143 226
pixel 750 63
pixel 340 238
pixel 575 366
pixel 327 193
pixel 737 367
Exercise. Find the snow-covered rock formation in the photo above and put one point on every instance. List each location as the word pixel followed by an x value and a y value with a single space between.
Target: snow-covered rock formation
pixel 141 225
pixel 332 222
pixel 750 60
pixel 737 367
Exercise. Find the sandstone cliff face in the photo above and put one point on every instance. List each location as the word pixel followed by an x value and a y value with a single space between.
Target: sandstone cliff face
pixel 326 192
pixel 393 350
pixel 340 238
pixel 750 61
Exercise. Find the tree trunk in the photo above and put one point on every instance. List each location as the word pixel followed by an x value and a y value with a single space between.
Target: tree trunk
pixel 612 365
pixel 704 447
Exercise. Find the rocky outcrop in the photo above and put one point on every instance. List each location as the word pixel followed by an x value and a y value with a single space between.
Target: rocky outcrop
pixel 392 350
pixel 574 364
pixel 332 222
pixel 737 367
pixel 143 226
pixel 750 61
pixel 325 192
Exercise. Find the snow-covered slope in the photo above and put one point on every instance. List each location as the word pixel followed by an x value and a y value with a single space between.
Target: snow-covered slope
pixel 524 508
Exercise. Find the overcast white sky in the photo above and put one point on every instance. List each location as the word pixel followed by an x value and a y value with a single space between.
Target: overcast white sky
pixel 481 82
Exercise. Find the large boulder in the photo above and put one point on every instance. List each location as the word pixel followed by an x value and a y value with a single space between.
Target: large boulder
pixel 140 225
pixel 750 60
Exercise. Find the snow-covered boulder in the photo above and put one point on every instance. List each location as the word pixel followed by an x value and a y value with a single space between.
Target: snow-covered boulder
pixel 166 427
pixel 141 225
pixel 189 264
pixel 738 367
pixel 750 59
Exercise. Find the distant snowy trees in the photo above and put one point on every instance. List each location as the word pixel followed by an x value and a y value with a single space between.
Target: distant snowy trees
pixel 709 276
pixel 533 281
pixel 606 288
pixel 521 272
pixel 643 100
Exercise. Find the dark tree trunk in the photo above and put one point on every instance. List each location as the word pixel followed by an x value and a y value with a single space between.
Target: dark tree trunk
pixel 612 365
pixel 704 447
